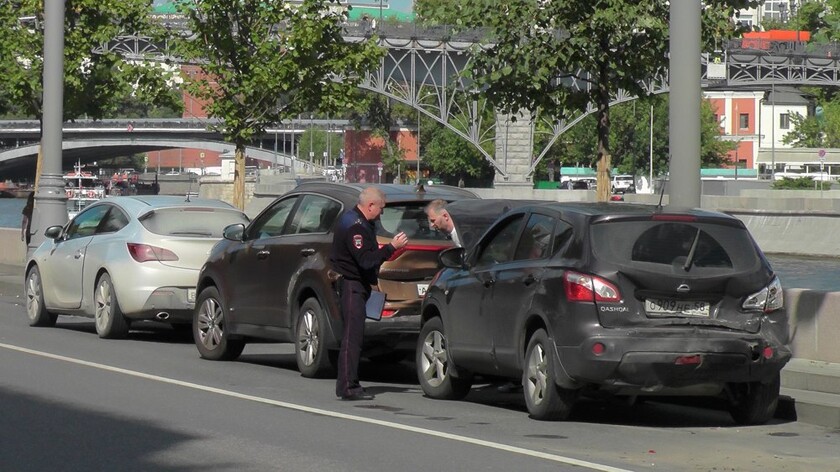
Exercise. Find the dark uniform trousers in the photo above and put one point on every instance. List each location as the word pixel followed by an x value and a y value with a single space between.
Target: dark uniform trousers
pixel 354 295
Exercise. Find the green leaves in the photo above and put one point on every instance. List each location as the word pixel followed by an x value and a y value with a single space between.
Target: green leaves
pixel 95 81
pixel 271 61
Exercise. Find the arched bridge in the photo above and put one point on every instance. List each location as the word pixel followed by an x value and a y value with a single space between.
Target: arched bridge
pixel 422 69
pixel 88 140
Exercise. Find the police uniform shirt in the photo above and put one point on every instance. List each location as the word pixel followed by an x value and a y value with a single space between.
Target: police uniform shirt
pixel 356 254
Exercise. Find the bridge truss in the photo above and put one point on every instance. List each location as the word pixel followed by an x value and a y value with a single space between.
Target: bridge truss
pixel 424 69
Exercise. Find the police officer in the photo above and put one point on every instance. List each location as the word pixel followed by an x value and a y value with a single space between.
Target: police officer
pixel 356 255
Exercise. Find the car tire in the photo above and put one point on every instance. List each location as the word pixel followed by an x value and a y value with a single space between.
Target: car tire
pixel 210 328
pixel 434 367
pixel 544 399
pixel 109 319
pixel 311 354
pixel 754 403
pixel 36 311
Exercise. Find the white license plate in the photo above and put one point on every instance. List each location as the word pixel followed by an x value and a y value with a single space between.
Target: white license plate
pixel 191 295
pixel 421 289
pixel 668 307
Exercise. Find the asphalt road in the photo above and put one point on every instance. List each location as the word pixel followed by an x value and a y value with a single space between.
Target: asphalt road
pixel 70 401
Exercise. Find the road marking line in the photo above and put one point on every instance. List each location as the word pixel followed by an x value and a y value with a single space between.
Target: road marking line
pixel 328 413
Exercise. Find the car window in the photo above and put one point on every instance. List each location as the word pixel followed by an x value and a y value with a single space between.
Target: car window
pixel 499 248
pixel 535 242
pixel 315 214
pixel 408 217
pixel 86 222
pixel 113 222
pixel 661 245
pixel 272 221
pixel 199 222
pixel 671 243
pixel 563 234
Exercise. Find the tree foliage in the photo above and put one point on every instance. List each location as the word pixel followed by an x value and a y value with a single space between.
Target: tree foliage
pixel 95 83
pixel 816 131
pixel 630 135
pixel 266 61
pixel 601 46
pixel 450 156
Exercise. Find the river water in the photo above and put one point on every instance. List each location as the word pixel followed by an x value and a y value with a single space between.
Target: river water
pixel 816 273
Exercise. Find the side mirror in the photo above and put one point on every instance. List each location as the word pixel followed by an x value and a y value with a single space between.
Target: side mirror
pixel 53 232
pixel 234 232
pixel 453 257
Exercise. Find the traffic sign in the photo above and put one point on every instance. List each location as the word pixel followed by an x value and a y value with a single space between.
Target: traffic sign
pixel 380 166
pixel 822 155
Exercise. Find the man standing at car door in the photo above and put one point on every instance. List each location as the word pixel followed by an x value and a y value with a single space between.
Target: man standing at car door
pixel 356 255
pixel 440 220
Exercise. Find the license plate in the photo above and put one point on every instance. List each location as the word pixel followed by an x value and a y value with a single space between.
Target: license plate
pixel 191 295
pixel 664 307
pixel 421 289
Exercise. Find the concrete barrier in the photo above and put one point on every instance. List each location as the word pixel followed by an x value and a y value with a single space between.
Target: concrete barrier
pixel 12 249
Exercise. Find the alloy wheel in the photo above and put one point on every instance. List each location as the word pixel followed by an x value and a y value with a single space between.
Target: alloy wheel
pixel 434 358
pixel 211 324
pixel 308 337
pixel 537 380
pixel 33 295
pixel 103 300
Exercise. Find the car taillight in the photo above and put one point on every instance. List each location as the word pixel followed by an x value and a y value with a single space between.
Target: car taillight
pixel 672 217
pixel 146 253
pixel 589 288
pixel 768 299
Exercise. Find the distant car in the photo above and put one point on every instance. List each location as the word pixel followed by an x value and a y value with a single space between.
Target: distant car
pixel 573 299
pixel 271 281
pixel 124 259
pixel 623 184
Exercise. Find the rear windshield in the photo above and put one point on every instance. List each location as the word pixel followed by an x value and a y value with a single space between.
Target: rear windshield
pixel 660 245
pixel 408 217
pixel 191 222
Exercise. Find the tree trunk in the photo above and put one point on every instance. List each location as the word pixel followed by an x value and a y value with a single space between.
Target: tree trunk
pixel 239 177
pixel 604 158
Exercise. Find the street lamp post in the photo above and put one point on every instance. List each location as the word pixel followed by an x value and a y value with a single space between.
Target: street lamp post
pixel 773 132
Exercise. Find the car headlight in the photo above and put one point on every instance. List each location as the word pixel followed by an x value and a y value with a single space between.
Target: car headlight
pixel 768 299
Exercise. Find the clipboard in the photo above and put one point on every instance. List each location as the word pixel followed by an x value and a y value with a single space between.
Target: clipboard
pixel 374 305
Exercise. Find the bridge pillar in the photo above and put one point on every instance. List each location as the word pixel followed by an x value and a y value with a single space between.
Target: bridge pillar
pixel 514 149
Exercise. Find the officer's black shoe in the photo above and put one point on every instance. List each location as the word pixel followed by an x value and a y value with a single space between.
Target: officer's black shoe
pixel 357 396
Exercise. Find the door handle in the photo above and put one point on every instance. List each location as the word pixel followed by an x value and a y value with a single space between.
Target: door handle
pixel 78 255
pixel 307 252
pixel 263 254
pixel 529 279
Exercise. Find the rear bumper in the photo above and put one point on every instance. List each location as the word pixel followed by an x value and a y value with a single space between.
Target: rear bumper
pixel 652 362
pixel 395 333
pixel 170 304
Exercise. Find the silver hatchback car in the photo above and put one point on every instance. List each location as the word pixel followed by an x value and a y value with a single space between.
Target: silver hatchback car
pixel 124 259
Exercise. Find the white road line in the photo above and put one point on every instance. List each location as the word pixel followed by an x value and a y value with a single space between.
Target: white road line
pixel 318 411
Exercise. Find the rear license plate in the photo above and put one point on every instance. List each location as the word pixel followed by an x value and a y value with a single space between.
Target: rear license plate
pixel 664 307
pixel 191 295
pixel 421 289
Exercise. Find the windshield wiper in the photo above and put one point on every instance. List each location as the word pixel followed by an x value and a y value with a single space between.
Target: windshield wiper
pixel 690 259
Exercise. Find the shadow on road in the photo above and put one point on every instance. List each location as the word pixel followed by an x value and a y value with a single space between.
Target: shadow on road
pixel 51 435
pixel 143 331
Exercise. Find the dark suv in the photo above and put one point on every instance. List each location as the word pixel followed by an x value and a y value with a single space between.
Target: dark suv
pixel 271 281
pixel 620 299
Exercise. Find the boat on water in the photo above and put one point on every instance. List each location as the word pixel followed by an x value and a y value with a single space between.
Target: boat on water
pixel 10 189
pixel 82 188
